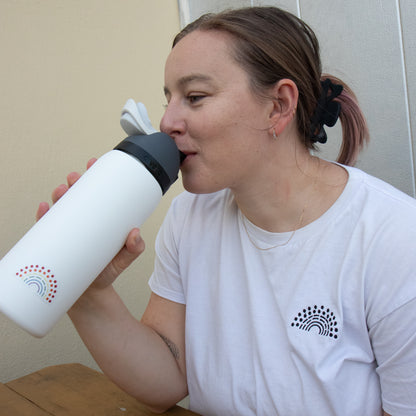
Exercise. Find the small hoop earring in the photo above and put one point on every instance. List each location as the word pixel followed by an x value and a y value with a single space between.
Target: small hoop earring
pixel 274 135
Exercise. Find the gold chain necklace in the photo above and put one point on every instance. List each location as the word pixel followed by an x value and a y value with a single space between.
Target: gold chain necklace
pixel 277 245
pixel 299 223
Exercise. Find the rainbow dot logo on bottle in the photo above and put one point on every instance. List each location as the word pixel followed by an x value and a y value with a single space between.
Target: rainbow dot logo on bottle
pixel 41 280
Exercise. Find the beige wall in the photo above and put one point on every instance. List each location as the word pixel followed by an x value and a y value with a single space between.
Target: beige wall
pixel 67 68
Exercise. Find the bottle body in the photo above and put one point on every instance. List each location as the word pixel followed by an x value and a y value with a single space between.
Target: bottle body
pixel 43 275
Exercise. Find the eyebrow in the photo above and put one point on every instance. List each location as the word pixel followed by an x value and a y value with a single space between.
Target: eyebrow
pixel 188 79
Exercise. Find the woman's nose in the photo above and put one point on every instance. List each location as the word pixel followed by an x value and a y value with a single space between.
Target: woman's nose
pixel 172 123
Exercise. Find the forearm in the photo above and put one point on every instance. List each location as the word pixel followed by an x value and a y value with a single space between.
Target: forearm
pixel 130 353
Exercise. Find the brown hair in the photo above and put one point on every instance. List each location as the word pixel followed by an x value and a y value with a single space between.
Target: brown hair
pixel 272 44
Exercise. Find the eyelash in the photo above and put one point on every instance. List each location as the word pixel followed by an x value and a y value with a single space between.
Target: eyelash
pixel 193 99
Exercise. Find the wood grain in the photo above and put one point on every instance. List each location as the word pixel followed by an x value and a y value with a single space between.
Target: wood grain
pixel 73 390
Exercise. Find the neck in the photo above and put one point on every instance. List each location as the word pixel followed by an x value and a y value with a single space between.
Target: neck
pixel 289 194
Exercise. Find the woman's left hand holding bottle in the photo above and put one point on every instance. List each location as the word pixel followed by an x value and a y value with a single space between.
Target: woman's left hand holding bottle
pixel 133 247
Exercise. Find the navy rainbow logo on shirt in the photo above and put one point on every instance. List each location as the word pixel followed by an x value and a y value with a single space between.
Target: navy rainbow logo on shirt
pixel 317 318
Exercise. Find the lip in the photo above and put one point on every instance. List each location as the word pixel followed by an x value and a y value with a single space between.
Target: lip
pixel 182 157
pixel 186 155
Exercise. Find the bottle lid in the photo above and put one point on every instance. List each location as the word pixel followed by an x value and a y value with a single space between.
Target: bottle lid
pixel 158 153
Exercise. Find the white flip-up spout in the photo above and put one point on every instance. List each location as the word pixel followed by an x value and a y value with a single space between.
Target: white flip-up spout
pixel 135 120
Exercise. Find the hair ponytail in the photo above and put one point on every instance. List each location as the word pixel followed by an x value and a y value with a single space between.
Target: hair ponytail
pixel 355 133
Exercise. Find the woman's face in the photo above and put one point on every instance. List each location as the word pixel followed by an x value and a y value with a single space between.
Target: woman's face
pixel 212 114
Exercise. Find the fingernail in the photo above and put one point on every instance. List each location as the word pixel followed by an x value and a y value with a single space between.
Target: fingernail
pixel 138 238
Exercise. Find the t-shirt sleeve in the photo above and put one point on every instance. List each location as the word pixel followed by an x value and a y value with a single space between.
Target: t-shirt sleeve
pixel 166 278
pixel 394 345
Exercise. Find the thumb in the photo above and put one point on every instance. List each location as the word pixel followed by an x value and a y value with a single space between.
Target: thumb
pixel 131 250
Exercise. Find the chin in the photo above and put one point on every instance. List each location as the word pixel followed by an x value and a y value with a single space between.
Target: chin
pixel 200 188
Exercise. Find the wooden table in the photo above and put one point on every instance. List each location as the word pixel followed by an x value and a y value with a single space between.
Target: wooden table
pixel 70 390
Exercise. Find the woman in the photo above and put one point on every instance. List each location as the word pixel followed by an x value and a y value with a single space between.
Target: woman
pixel 283 284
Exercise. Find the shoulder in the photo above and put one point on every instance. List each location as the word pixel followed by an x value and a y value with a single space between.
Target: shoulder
pixel 378 187
pixel 387 216
pixel 380 199
pixel 386 235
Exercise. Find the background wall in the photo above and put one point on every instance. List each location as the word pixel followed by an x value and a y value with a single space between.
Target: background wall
pixel 371 45
pixel 67 69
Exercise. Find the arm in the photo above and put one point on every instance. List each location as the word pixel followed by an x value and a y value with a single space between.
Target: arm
pixel 394 345
pixel 147 358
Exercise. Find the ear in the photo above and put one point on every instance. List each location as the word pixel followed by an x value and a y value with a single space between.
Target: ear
pixel 285 100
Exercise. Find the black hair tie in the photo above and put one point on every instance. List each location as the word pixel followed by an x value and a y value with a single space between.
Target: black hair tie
pixel 327 111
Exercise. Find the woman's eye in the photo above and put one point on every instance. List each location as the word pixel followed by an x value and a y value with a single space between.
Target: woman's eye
pixel 193 99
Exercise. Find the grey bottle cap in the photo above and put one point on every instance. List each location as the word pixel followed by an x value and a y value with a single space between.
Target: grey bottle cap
pixel 158 153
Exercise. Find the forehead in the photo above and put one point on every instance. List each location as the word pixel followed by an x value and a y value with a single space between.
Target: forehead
pixel 202 52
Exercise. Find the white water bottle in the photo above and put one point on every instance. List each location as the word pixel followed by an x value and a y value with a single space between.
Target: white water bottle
pixel 43 275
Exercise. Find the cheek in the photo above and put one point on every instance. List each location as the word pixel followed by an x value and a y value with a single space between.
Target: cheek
pixel 225 129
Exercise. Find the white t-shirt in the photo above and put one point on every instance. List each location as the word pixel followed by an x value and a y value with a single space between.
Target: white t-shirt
pixel 325 325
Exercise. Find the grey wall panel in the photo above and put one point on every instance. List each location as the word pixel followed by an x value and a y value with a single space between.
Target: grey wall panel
pixel 289 5
pixel 191 9
pixel 408 16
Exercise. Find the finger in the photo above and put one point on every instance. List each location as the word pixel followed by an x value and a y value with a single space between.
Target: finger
pixel 58 192
pixel 72 178
pixel 91 162
pixel 134 242
pixel 132 249
pixel 42 210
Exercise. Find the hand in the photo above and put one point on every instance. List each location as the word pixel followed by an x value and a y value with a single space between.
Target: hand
pixel 60 190
pixel 133 247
